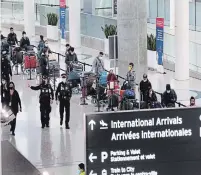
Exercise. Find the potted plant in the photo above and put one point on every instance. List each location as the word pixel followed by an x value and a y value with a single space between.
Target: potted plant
pixel 109 30
pixel 151 52
pixel 52 27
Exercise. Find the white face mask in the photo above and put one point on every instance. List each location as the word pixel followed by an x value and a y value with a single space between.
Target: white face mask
pixel 46 44
pixel 64 80
pixel 24 36
pixel 168 91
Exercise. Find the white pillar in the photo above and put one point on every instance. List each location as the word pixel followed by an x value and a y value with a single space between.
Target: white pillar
pixel 182 40
pixel 29 18
pixel 172 14
pixel 74 23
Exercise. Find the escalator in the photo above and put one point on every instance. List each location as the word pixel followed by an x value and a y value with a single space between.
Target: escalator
pixel 14 163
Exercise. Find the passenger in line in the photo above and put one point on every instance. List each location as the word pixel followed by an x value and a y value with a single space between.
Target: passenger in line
pixel 12 38
pixel 131 76
pixel 24 42
pixel 98 64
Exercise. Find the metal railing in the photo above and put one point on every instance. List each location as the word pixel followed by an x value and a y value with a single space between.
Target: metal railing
pixel 118 76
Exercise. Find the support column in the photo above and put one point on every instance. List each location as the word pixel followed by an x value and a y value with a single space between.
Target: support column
pixel 172 14
pixel 132 36
pixel 182 40
pixel 74 23
pixel 29 18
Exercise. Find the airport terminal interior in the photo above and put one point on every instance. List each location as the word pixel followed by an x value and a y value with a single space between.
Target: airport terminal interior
pixel 55 150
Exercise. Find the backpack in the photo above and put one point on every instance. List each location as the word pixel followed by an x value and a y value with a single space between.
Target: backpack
pixel 103 79
pixel 129 94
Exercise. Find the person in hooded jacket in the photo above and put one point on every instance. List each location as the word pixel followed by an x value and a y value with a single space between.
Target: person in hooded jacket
pixel 14 103
pixel 12 38
pixel 46 99
pixel 6 71
pixel 24 42
pixel 145 86
pixel 64 94
pixel 169 97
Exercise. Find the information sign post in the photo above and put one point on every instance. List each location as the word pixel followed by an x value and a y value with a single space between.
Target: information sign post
pixel 156 142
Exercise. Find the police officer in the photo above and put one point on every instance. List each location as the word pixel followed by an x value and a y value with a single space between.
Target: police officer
pixel 46 99
pixel 64 94
pixel 6 71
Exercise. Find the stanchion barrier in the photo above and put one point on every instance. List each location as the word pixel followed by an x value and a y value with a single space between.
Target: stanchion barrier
pixel 118 76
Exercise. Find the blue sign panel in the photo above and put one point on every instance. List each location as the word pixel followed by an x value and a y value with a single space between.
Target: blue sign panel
pixel 159 39
pixel 63 21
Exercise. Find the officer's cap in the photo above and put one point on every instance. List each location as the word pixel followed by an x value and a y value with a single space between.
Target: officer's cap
pixel 63 75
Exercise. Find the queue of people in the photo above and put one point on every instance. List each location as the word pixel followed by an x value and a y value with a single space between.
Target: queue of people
pixel 10 96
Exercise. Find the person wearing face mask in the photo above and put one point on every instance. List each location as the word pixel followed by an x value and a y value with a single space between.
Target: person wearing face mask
pixel 192 102
pixel 41 45
pixel 14 103
pixel 131 76
pixel 24 42
pixel 46 49
pixel 4 93
pixel 71 59
pixel 98 65
pixel 145 86
pixel 169 97
pixel 81 169
pixel 67 49
pixel 12 38
pixel 152 100
pixel 6 71
pixel 43 62
pixel 45 99
pixel 64 94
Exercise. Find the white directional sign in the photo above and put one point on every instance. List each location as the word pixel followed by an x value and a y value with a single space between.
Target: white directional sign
pixel 92 173
pixel 92 157
pixel 91 124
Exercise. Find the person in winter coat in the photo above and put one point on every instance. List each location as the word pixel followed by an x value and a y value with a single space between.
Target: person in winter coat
pixel 46 49
pixel 98 64
pixel 169 97
pixel 14 104
pixel 145 86
pixel 131 76
pixel 12 38
pixel 71 58
pixel 6 71
pixel 44 63
pixel 67 49
pixel 111 76
pixel 24 42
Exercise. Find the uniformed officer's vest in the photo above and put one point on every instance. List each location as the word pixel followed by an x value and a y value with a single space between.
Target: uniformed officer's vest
pixel 65 92
pixel 45 92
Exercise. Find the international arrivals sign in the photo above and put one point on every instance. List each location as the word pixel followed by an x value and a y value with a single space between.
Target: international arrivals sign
pixel 156 142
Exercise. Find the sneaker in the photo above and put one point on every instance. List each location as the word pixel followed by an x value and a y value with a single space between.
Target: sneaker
pixel 42 127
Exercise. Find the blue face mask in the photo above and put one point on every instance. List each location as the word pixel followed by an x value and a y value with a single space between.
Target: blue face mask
pixel 78 172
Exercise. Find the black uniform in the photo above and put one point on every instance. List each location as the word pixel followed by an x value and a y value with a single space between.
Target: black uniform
pixel 5 69
pixel 64 93
pixel 46 95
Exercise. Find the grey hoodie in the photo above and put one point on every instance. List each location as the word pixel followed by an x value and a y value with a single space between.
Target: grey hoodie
pixel 131 78
pixel 98 66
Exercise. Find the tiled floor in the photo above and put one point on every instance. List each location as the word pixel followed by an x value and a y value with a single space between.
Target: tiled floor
pixel 56 150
